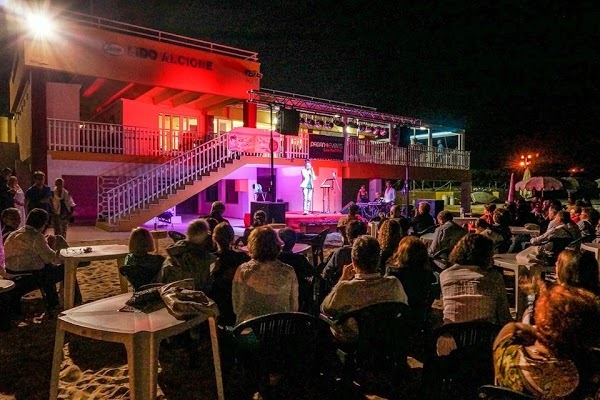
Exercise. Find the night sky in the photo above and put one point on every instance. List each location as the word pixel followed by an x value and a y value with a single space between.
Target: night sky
pixel 518 77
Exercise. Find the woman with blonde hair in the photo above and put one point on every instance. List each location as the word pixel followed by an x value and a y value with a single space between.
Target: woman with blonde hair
pixel 388 236
pixel 141 267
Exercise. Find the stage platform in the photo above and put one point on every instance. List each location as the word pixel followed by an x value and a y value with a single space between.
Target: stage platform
pixel 312 223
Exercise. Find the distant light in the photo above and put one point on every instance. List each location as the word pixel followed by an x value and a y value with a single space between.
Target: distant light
pixel 422 128
pixel 275 120
pixel 40 25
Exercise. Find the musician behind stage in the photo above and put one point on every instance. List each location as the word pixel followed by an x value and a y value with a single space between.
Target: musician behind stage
pixel 363 195
pixel 307 185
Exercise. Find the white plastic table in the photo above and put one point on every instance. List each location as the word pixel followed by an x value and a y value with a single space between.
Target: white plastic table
pixel 521 230
pixel 592 247
pixel 74 255
pixel 509 262
pixel 141 334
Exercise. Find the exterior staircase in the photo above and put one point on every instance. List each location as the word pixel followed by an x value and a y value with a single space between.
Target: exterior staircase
pixel 147 195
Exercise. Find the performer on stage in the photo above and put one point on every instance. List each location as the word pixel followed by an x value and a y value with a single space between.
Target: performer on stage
pixel 390 192
pixel 363 195
pixel 308 176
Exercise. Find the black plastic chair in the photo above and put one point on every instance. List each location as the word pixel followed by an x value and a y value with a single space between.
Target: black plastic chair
pixel 377 362
pixel 491 392
pixel 469 366
pixel 279 346
pixel 176 236
pixel 316 242
pixel 139 275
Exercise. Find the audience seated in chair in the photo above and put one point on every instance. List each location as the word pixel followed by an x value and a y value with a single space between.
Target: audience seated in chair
pixel 264 285
pixel 342 256
pixel 217 209
pixel 353 215
pixel 140 267
pixel 564 229
pixel 410 264
pixel 189 258
pixel 258 219
pixel 11 219
pixel 546 360
pixel 305 272
pixel 447 234
pixel 388 236
pixel 34 261
pixel 360 285
pixel 423 220
pixel 471 288
pixel 227 263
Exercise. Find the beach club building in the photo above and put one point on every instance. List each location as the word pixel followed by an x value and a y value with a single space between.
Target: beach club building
pixel 139 122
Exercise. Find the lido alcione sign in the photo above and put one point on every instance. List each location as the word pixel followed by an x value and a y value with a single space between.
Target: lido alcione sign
pixel 115 49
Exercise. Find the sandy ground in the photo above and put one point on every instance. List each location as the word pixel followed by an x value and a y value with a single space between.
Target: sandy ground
pixel 94 369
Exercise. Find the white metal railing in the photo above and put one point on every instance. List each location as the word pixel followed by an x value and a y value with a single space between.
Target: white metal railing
pixel 97 137
pixel 163 180
pixel 139 191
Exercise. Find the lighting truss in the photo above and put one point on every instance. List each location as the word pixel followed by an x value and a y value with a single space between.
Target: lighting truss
pixel 314 104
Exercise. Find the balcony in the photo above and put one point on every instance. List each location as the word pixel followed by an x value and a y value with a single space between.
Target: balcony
pixel 101 138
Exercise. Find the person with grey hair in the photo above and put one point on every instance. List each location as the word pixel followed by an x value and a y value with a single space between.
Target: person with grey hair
pixel 361 285
pixel 189 258
pixel 447 234
pixel 563 228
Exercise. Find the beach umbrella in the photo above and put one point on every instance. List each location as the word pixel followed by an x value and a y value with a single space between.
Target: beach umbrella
pixel 511 188
pixel 570 183
pixel 539 183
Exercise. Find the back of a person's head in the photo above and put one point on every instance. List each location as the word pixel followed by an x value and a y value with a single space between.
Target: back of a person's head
pixel 473 249
pixel 198 231
pixel 37 218
pixel 264 244
pixel 501 216
pixel 445 216
pixel 396 211
pixel 411 253
pixel 223 235
pixel 389 234
pixel 11 217
pixel 578 268
pixel 212 223
pixel 140 241
pixel 567 320
pixel 425 207
pixel 217 208
pixel 365 253
pixel 353 209
pixel 490 207
pixel 556 203
pixel 564 217
pixel 481 224
pixel 259 218
pixel 354 229
pixel 288 237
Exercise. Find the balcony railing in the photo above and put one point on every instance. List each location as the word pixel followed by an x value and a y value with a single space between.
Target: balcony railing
pixel 93 137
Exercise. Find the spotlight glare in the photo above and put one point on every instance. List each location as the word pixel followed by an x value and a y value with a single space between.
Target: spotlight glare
pixel 40 25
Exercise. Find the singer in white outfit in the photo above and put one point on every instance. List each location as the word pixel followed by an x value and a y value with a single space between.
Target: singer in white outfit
pixel 308 176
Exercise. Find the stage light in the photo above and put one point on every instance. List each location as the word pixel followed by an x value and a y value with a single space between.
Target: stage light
pixel 328 125
pixel 338 122
pixel 362 128
pixel 40 25
pixel 302 120
pixel 319 124
pixel 369 129
pixel 352 124
pixel 310 122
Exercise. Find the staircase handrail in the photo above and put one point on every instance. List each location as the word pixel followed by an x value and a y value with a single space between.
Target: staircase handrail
pixel 165 178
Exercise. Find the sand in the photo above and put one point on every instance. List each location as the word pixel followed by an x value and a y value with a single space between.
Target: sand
pixel 98 370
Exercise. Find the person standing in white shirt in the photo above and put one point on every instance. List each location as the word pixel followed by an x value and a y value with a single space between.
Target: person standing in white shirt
pixel 308 177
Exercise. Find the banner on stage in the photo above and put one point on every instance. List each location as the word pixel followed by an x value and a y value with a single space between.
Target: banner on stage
pixel 326 147
pixel 250 140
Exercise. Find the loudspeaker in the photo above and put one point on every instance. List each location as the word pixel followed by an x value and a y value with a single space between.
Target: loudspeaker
pixel 275 211
pixel 346 207
pixel 288 122
pixel 435 205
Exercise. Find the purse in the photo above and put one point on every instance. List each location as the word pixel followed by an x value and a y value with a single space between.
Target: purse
pixel 184 302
